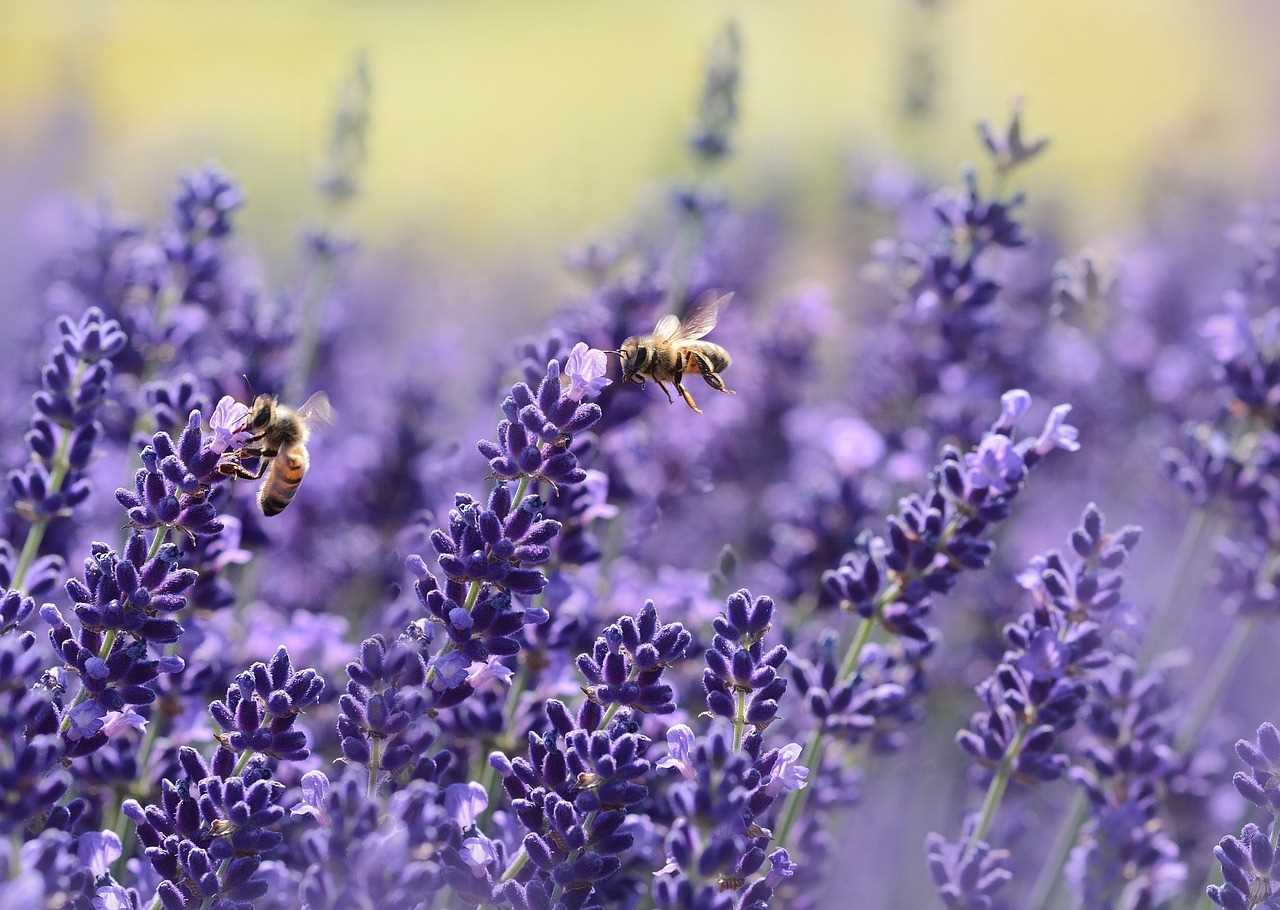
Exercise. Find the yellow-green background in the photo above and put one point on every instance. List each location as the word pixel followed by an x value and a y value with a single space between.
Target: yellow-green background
pixel 518 127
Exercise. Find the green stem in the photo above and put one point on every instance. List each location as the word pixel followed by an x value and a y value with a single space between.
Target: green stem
pixel 739 720
pixel 1171 612
pixel 30 549
pixel 242 762
pixel 522 490
pixel 375 759
pixel 995 791
pixel 60 466
pixel 1219 675
pixel 813 751
pixel 162 534
pixel 860 638
pixel 1051 872
pixel 517 863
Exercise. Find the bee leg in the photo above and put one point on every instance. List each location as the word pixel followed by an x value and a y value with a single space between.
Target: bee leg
pixel 233 468
pixel 688 399
pixel 710 376
pixel 236 469
pixel 666 391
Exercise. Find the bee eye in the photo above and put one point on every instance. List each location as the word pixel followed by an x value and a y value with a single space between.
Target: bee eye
pixel 261 419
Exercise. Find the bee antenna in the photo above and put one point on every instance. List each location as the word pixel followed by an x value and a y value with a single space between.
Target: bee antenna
pixel 247 384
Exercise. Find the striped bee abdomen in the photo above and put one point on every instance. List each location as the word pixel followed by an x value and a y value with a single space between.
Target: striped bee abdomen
pixel 282 480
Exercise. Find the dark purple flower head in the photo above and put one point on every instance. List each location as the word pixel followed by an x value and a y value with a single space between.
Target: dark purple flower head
pixel 934 537
pixel 384 706
pixel 262 705
pixel 205 201
pixel 209 833
pixel 1008 149
pixel 628 659
pixel 121 605
pixel 64 427
pixel 498 544
pixel 743 680
pixel 571 793
pixel 30 764
pixel 1250 871
pixel 133 593
pixel 534 438
pixel 172 489
pixel 967 879
pixel 715 846
pixel 1261 786
pixel 171 400
pixel 876 702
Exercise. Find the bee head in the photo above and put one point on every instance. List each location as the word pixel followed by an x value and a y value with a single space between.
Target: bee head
pixel 631 356
pixel 261 414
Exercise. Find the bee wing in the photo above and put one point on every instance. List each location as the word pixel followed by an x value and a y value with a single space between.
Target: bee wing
pixel 703 316
pixel 317 410
pixel 668 327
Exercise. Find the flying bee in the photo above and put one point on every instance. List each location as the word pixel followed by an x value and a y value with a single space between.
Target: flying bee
pixel 278 440
pixel 674 348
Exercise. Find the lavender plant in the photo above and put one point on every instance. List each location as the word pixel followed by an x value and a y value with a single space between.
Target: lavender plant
pixel 540 679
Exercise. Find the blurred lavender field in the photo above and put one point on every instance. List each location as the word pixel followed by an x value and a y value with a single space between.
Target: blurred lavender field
pixel 964 597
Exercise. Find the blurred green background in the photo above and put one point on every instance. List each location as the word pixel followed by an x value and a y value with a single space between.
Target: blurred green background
pixel 507 129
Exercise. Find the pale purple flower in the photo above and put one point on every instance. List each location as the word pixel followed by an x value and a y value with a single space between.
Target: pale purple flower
pixel 995 465
pixel 482 674
pixel 596 488
pixel 226 425
pixel 1057 433
pixel 780 868
pixel 465 802
pixel 111 897
pixel 1013 404
pixel 450 670
pixel 315 797
pixel 679 751
pixel 117 722
pixel 97 850
pixel 478 853
pixel 85 718
pixel 225 549
pixel 787 773
pixel 584 372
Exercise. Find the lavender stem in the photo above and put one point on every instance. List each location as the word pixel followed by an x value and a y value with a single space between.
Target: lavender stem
pixel 813 757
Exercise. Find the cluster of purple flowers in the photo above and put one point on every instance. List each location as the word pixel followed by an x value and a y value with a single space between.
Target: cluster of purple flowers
pixel 541 680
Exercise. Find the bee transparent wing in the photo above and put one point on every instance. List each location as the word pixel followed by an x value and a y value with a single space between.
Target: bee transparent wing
pixel 317 410
pixel 703 316
pixel 668 327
